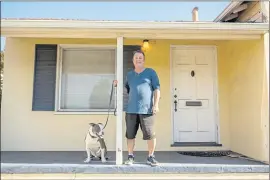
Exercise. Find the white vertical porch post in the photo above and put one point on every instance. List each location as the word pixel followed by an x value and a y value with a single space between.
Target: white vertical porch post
pixel 119 120
pixel 266 120
pixel 265 10
pixel 266 53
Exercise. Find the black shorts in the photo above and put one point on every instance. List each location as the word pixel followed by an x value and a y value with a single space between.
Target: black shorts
pixel 146 122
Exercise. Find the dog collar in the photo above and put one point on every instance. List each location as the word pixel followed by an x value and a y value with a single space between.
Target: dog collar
pixel 92 136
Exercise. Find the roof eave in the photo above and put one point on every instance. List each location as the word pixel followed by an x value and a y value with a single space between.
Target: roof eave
pixel 130 29
pixel 227 10
pixel 130 25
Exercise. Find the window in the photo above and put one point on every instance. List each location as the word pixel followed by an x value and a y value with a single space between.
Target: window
pixel 85 78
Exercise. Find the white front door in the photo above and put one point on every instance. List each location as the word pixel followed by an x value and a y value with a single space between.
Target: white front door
pixel 194 100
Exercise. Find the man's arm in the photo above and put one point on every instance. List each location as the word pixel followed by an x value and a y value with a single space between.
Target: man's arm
pixel 156 88
pixel 156 97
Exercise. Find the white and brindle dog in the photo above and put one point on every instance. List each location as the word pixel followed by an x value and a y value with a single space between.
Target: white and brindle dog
pixel 94 143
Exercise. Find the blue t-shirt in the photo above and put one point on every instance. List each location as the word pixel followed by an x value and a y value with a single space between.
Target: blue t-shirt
pixel 141 87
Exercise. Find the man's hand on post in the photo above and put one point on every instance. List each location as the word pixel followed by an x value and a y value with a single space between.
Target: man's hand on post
pixel 115 83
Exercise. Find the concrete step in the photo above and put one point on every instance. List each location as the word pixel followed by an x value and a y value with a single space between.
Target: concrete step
pixel 73 176
pixel 17 168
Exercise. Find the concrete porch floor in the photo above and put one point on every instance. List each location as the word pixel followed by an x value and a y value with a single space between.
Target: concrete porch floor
pixel 170 162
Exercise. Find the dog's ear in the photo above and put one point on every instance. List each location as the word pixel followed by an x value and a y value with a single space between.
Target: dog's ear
pixel 101 125
pixel 91 124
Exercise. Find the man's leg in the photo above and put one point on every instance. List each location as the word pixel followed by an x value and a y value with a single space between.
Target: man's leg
pixel 151 146
pixel 132 126
pixel 147 126
pixel 130 145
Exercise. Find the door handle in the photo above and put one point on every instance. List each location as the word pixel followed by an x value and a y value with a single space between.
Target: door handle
pixel 192 73
pixel 175 105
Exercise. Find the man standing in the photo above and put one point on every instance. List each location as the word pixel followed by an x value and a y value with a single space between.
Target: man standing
pixel 144 92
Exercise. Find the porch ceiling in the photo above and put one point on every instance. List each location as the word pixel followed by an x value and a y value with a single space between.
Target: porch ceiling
pixel 132 29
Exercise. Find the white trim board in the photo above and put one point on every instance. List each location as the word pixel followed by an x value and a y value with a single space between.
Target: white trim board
pixel 203 34
pixel 216 95
pixel 132 29
pixel 120 86
pixel 163 25
pixel 92 46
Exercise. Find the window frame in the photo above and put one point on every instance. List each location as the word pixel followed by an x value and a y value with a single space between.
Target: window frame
pixel 59 67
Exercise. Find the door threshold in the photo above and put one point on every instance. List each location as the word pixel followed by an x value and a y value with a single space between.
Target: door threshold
pixel 187 144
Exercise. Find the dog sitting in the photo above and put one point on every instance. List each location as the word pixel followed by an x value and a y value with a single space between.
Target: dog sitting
pixel 94 143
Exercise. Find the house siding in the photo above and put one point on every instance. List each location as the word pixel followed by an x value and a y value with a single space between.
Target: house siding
pixel 244 76
pixel 47 131
pixel 248 15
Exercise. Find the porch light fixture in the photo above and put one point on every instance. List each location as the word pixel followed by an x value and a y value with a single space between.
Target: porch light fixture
pixel 145 44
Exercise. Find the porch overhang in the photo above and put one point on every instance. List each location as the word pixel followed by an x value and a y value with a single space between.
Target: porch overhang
pixel 132 29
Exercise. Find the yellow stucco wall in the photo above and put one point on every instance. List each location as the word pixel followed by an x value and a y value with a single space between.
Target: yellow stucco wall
pixel 244 76
pixel 23 129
